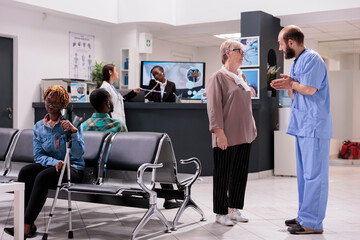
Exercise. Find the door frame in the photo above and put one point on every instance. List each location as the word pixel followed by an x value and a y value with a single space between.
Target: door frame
pixel 15 104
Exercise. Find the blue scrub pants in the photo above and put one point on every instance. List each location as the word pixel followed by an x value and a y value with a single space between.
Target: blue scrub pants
pixel 312 165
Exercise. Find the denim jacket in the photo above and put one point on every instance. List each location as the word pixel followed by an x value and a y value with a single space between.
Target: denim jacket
pixel 50 144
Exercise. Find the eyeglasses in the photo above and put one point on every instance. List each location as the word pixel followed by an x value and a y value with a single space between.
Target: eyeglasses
pixel 239 50
pixel 54 104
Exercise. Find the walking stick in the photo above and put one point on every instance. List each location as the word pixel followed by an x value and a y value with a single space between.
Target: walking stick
pixel 76 121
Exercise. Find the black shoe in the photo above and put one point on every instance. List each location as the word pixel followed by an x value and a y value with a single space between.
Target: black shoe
pixel 32 232
pixel 298 229
pixel 9 231
pixel 169 204
pixel 291 222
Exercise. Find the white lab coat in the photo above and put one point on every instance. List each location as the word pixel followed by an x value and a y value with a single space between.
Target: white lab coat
pixel 119 112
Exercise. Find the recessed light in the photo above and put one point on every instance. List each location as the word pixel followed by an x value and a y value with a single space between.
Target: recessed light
pixel 235 36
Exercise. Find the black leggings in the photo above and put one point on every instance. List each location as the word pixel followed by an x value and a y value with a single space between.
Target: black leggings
pixel 230 177
pixel 38 179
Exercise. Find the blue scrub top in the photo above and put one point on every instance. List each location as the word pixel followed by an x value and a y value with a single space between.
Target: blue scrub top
pixel 310 114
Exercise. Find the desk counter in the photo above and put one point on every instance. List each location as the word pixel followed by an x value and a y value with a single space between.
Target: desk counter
pixel 186 123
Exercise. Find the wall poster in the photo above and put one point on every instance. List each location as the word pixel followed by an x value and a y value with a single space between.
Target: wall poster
pixel 251 49
pixel 81 52
pixel 252 76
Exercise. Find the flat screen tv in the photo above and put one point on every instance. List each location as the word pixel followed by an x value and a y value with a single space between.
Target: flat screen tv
pixel 189 77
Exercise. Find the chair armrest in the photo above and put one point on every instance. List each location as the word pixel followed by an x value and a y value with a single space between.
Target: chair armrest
pixel 197 162
pixel 140 173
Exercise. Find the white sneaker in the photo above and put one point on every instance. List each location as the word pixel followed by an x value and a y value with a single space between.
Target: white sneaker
pixel 224 220
pixel 237 216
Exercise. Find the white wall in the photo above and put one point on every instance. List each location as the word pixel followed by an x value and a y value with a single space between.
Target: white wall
pixel 42 47
pixel 210 55
pixel 42 51
pixel 169 51
pixel 124 36
pixel 341 96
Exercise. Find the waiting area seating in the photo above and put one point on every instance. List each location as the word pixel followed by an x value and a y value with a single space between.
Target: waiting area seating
pixel 121 169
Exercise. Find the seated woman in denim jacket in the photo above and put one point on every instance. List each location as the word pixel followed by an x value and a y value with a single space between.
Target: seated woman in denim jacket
pixel 49 155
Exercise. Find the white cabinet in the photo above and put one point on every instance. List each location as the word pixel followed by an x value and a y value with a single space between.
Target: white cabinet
pixel 128 74
pixel 284 154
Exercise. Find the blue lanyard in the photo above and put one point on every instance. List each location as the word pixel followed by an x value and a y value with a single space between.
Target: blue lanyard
pixel 115 88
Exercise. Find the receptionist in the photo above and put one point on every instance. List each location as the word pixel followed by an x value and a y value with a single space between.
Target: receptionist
pixel 163 90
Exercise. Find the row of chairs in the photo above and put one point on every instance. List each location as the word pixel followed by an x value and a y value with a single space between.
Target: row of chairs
pixel 121 169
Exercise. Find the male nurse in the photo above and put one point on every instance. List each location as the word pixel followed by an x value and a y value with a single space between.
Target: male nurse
pixel 311 124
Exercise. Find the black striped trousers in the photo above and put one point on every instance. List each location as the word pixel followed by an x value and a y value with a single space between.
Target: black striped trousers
pixel 230 177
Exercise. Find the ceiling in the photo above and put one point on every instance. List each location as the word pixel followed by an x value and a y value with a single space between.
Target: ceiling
pixel 196 35
pixel 201 35
pixel 341 24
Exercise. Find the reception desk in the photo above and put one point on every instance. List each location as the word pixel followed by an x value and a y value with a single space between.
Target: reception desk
pixel 188 127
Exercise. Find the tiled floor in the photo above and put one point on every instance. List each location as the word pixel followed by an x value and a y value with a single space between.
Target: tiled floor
pixel 268 203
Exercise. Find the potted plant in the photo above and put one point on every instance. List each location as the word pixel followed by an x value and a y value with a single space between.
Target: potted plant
pixel 271 75
pixel 96 74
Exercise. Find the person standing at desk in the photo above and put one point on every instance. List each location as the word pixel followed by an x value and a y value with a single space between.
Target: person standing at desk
pixel 311 124
pixel 166 89
pixel 109 75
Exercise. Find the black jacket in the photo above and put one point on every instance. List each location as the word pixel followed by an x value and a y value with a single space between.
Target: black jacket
pixel 129 96
pixel 169 96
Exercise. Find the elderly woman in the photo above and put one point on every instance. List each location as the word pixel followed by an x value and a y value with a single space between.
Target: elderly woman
pixel 49 155
pixel 233 129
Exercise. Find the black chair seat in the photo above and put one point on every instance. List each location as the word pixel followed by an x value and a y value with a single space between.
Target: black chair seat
pixel 93 189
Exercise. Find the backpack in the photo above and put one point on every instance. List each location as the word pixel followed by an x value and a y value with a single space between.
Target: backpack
pixel 350 150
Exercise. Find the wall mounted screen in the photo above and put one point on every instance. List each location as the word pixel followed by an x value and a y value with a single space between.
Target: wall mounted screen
pixel 189 77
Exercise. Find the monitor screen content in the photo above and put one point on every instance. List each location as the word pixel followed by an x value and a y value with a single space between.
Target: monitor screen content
pixel 189 77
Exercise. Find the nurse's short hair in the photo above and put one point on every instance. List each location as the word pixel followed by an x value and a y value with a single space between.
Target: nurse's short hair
pixel 293 32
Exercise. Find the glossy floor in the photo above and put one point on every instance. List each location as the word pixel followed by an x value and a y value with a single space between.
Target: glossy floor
pixel 269 201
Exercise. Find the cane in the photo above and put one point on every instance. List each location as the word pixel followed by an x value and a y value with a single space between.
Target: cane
pixel 77 120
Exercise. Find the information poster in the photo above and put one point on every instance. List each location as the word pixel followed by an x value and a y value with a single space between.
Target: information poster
pixel 251 49
pixel 78 92
pixel 81 54
pixel 252 76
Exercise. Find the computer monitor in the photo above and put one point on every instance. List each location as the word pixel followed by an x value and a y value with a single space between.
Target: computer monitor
pixel 189 77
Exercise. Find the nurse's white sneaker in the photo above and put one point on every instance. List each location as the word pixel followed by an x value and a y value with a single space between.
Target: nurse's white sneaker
pixel 237 216
pixel 224 220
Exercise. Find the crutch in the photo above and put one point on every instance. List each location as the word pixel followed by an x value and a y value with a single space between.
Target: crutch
pixel 77 120
pixel 65 166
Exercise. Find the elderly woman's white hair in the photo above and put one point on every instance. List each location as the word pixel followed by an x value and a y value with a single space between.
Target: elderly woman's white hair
pixel 228 45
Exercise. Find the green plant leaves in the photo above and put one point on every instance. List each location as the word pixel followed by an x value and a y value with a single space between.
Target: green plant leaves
pixel 96 74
